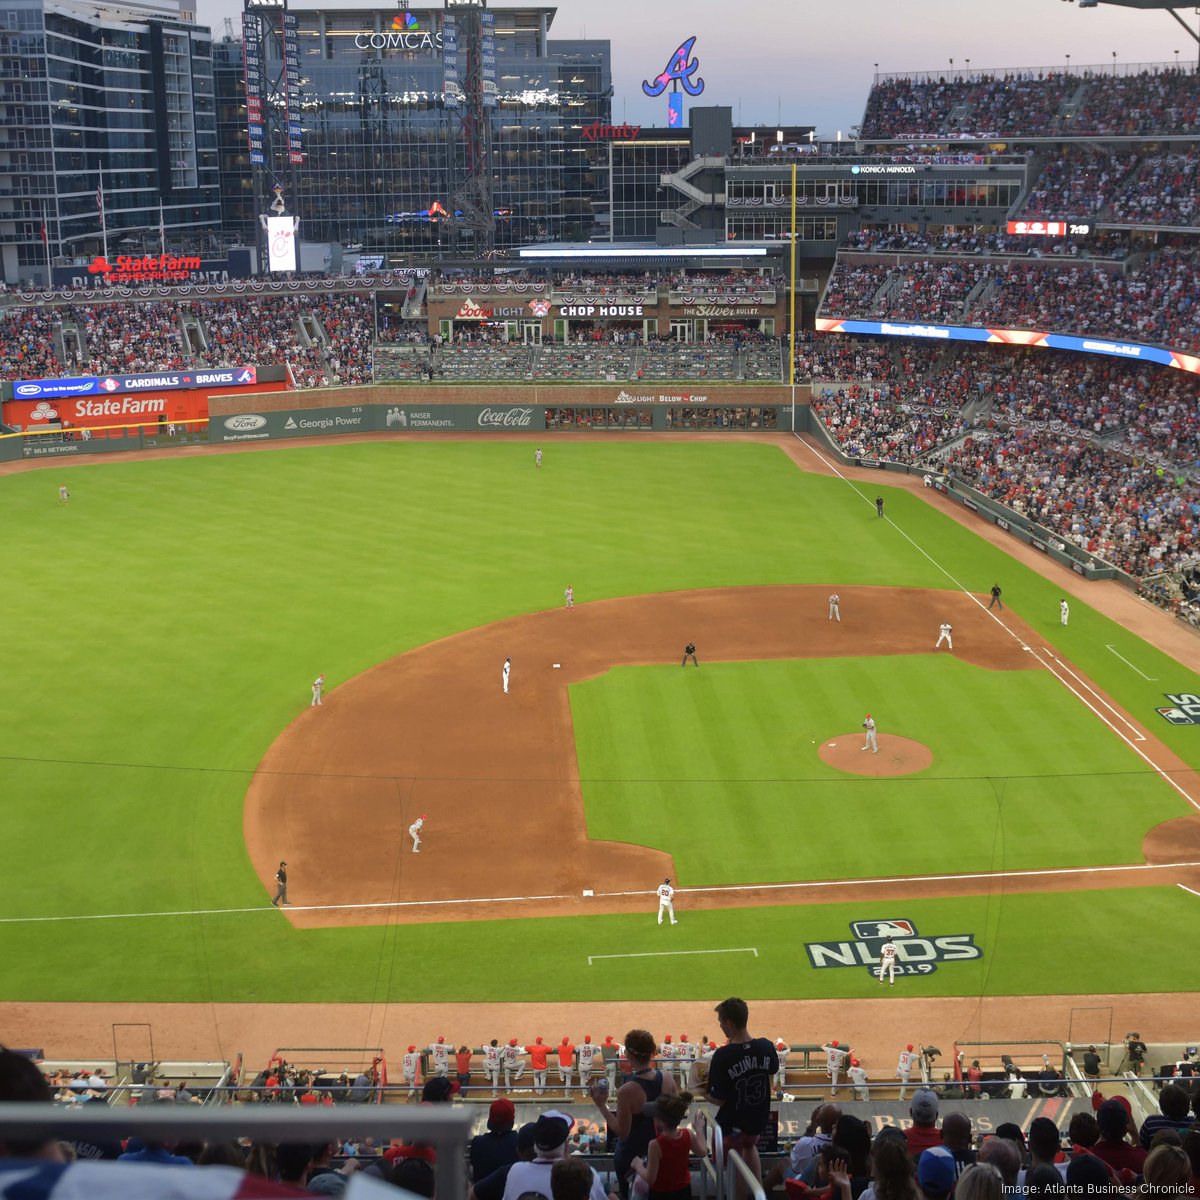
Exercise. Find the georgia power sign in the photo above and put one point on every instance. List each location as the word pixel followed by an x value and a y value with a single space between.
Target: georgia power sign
pixel 916 954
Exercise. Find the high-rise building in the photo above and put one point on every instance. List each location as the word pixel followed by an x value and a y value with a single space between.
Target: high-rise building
pixel 367 155
pixel 103 107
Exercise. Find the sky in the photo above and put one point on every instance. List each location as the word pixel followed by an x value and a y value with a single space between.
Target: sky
pixel 810 62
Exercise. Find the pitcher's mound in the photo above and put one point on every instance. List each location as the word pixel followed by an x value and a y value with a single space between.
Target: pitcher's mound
pixel 897 755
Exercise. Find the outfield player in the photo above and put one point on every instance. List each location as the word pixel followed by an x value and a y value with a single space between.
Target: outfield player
pixel 945 629
pixel 587 1057
pixel 491 1063
pixel 64 497
pixel 904 1066
pixel 1064 610
pixel 858 1080
pixel 537 457
pixel 782 1049
pixel 887 962
pixel 439 1056
pixel 835 1061
pixel 318 686
pixel 414 832
pixel 504 672
pixel 514 1064
pixel 666 895
pixel 569 596
pixel 835 610
pixel 869 726
pixel 566 1064
pixel 410 1066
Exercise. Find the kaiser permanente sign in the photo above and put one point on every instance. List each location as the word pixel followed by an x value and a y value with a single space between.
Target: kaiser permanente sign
pixel 113 385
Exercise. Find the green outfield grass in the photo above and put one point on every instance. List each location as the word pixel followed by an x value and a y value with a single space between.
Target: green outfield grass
pixel 717 756
pixel 164 627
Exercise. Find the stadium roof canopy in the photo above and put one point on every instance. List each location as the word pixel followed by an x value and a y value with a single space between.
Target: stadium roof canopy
pixel 1168 6
pixel 739 254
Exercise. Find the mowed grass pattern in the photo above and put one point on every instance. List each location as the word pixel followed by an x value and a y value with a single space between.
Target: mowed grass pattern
pixel 701 763
pixel 163 627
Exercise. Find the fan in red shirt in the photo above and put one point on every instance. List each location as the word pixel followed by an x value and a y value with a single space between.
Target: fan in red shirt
pixel 666 1169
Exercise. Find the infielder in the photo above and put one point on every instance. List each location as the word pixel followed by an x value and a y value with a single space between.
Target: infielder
pixel 945 629
pixel 514 1064
pixel 504 674
pixel 1064 610
pixel 439 1056
pixel 569 596
pixel 666 894
pixel 904 1066
pixel 491 1063
pixel 317 685
pixel 869 726
pixel 887 962
pixel 835 611
pixel 835 1060
pixel 537 457
pixel 414 832
pixel 586 1053
pixel 410 1066
pixel 858 1080
pixel 782 1050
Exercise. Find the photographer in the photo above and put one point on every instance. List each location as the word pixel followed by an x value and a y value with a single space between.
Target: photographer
pixel 1135 1051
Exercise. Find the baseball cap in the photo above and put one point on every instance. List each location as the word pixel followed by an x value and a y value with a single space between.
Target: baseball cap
pixel 855 1063
pixel 835 1042
pixel 924 1106
pixel 525 1137
pixel 437 1090
pixel 936 1171
pixel 502 1114
pixel 512 1041
pixel 441 1039
pixel 411 1049
pixel 780 1044
pixel 1012 1132
pixel 683 1037
pixel 552 1130
pixel 909 1046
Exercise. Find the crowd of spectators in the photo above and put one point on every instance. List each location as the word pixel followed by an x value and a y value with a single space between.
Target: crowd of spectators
pixel 1163 191
pixel 27 343
pixel 1043 104
pixel 876 423
pixel 1077 181
pixel 1110 244
pixel 1153 302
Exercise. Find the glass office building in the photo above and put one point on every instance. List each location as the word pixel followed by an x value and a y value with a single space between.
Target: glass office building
pixel 92 95
pixel 376 141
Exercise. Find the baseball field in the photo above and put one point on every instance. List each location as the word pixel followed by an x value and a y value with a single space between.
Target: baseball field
pixel 1027 813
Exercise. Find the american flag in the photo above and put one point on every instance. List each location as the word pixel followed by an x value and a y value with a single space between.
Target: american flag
pixel 99 199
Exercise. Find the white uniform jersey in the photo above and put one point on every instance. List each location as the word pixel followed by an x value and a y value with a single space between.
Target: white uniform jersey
pixel 667 1053
pixel 887 952
pixel 835 1058
pixel 946 629
pixel 491 1057
pixel 904 1063
pixel 439 1053
pixel 685 1053
pixel 858 1075
pixel 666 893
pixel 587 1055
pixel 511 1056
pixel 414 830
pixel 411 1064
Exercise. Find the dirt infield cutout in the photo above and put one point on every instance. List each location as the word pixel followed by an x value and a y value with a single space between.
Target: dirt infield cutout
pixel 897 755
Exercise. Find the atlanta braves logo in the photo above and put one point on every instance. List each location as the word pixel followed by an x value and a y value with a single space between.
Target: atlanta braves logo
pixel 679 69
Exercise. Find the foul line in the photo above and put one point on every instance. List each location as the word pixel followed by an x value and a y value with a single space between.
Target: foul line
pixel 1162 774
pixel 1188 889
pixel 665 953
pixel 804 884
pixel 1147 678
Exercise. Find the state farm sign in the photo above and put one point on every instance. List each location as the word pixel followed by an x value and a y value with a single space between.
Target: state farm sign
pixel 148 268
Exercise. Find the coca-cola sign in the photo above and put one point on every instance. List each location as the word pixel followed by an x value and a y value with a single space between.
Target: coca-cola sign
pixel 505 418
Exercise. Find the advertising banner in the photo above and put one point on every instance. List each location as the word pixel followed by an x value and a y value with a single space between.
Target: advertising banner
pixel 451 82
pixel 487 49
pixel 254 75
pixel 281 242
pixel 291 89
pixel 111 385
pixel 147 271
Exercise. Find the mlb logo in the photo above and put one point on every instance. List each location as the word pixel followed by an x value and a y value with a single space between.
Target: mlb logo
pixel 1176 716
pixel 883 929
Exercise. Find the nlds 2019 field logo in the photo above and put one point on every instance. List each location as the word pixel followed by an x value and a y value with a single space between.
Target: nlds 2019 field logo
pixel 1184 710
pixel 915 955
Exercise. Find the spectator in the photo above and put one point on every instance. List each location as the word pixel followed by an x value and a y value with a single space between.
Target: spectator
pixel 1168 1171
pixel 956 1137
pixel 923 1133
pixel 22 1083
pixel 1044 1148
pixel 937 1173
pixel 491 1187
pixel 1113 1123
pixel 893 1172
pixel 498 1146
pixel 571 1179
pixel 981 1181
pixel 1005 1156
pixel 551 1131
pixel 1173 1105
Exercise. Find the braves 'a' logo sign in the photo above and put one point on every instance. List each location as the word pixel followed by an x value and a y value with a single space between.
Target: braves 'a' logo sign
pixel 678 68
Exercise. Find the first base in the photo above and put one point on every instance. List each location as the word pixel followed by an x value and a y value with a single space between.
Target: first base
pixel 557 666
pixel 588 892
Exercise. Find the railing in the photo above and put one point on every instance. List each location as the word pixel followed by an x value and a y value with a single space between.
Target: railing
pixel 1030 74
pixel 737 1172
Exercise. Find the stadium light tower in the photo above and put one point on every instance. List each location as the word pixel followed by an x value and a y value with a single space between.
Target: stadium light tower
pixel 1167 6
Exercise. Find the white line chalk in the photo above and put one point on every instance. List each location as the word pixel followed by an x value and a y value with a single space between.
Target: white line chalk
pixel 661 953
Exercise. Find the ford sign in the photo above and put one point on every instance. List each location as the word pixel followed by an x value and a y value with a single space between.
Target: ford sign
pixel 245 421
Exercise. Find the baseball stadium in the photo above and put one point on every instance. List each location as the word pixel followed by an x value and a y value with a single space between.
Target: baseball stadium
pixel 380 645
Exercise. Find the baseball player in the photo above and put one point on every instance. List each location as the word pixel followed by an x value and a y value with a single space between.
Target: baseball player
pixel 569 596
pixel 858 1080
pixel 610 1051
pixel 491 1063
pixel 879 505
pixel 504 674
pixel 835 1060
pixel 945 629
pixel 414 832
pixel 667 1055
pixel 904 1066
pixel 410 1066
pixel 537 457
pixel 566 1064
pixel 869 726
pixel 887 962
pixel 514 1064
pixel 666 894
pixel 689 651
pixel 782 1049
pixel 835 611
pixel 685 1055
pixel 439 1056
pixel 317 685
pixel 587 1057
pixel 538 1053
pixel 64 497
pixel 1064 610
